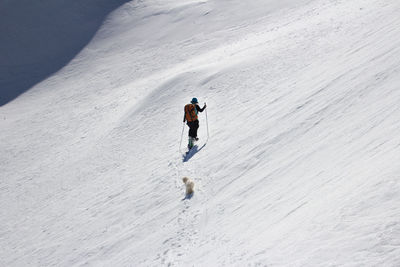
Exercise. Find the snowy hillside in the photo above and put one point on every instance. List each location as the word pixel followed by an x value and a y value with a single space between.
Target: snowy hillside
pixel 301 167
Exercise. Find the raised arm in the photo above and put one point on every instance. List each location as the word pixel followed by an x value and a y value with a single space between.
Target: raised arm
pixel 201 109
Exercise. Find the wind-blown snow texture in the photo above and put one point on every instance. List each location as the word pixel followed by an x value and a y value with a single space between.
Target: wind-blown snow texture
pixel 301 168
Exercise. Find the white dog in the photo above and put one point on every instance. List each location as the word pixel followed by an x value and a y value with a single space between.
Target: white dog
pixel 189 185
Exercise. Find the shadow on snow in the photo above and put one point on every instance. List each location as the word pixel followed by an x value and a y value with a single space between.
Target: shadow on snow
pixel 38 38
pixel 195 149
pixel 188 196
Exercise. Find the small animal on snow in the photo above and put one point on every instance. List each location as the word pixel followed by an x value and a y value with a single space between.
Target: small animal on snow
pixel 189 185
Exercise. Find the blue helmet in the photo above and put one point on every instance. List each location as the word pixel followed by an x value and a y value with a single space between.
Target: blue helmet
pixel 194 100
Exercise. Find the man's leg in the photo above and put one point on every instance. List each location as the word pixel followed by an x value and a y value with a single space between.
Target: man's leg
pixel 195 128
pixel 192 130
pixel 191 133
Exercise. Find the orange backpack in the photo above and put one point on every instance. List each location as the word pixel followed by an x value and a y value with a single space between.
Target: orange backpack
pixel 190 112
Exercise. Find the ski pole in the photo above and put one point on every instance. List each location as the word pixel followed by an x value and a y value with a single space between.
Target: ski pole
pixel 180 144
pixel 208 134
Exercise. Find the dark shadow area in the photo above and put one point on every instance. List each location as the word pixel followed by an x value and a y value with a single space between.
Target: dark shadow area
pixel 195 149
pixel 39 37
pixel 188 196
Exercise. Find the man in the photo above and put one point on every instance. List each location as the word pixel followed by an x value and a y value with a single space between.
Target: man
pixel 191 111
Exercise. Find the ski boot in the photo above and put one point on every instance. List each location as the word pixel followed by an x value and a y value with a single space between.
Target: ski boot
pixel 191 143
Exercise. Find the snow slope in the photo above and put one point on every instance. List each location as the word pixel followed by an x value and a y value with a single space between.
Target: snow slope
pixel 301 167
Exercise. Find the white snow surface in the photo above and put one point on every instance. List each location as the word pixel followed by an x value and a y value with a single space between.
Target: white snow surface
pixel 301 167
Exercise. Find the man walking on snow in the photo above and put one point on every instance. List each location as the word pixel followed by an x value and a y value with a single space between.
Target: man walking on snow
pixel 191 111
